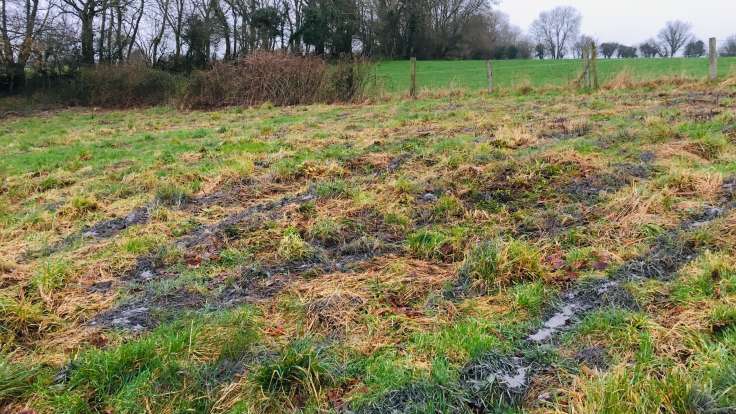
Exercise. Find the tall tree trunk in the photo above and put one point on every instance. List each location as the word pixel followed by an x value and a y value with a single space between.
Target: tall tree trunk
pixel 134 34
pixel 17 77
pixel 103 26
pixel 88 37
pixel 252 28
pixel 235 35
pixel 119 34
pixel 109 36
pixel 177 33
pixel 7 50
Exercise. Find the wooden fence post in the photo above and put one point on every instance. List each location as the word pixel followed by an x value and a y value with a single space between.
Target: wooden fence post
pixel 586 68
pixel 713 58
pixel 413 87
pixel 489 69
pixel 594 65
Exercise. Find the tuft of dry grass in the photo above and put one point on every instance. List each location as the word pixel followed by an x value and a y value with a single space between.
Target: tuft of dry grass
pixel 514 137
pixel 624 79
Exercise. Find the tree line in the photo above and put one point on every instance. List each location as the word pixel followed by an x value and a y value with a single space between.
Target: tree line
pixel 557 36
pixel 54 36
pixel 43 37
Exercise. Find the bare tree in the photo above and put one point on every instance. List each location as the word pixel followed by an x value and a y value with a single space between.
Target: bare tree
pixel 729 47
pixel 21 24
pixel 557 29
pixel 675 35
pixel 175 17
pixel 85 11
pixel 582 45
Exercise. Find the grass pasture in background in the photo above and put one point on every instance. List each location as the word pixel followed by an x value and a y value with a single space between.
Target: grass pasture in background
pixel 393 76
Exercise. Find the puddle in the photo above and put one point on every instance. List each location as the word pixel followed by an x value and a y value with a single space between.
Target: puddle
pixel 591 187
pixel 556 322
pixel 495 379
pixel 109 228
pixel 506 378
pixel 517 379
pixel 272 208
pixel 257 283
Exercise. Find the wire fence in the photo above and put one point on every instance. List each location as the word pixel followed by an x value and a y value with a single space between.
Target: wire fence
pixel 394 76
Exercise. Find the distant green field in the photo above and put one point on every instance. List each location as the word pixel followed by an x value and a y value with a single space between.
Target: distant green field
pixel 394 75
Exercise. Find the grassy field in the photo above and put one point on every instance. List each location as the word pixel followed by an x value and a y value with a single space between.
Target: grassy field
pixel 393 76
pixel 460 253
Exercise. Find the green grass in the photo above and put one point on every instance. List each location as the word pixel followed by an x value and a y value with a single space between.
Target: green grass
pixel 394 75
pixel 439 233
pixel 174 368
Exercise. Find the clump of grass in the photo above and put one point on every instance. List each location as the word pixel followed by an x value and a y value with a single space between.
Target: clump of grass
pixel 434 244
pixel 51 276
pixel 722 317
pixel 513 137
pixel 624 79
pixel 292 247
pixel 16 381
pixel 658 130
pixel 531 296
pixel 524 87
pixel 172 195
pixel 142 244
pixel 579 257
pixel 426 244
pixel 673 389
pixel 52 181
pixel 308 209
pixel 446 207
pixel 19 316
pixel 710 274
pixel 462 340
pixel 326 230
pixel 199 133
pixel 287 169
pixel 301 371
pixel 237 170
pixel 397 218
pixel 169 370
pixel 500 263
pixel 332 189
pixel 709 146
pixel 621 329
pixel 81 205
pixel 404 185
pixel 233 257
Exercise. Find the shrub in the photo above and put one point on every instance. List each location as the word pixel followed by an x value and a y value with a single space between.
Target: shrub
pixel 125 86
pixel 277 78
pixel 344 81
pixel 501 263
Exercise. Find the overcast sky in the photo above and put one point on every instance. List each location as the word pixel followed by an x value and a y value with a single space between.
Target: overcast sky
pixel 633 21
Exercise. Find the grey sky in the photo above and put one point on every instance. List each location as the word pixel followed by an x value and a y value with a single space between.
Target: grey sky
pixel 633 21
